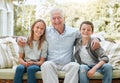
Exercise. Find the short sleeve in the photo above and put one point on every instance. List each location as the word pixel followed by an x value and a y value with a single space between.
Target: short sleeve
pixel 21 49
pixel 44 49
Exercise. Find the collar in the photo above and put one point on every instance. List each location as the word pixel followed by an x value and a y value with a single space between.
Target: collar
pixel 89 42
pixel 58 32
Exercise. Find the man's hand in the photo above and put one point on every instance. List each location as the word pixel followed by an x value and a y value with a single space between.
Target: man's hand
pixel 21 41
pixel 95 44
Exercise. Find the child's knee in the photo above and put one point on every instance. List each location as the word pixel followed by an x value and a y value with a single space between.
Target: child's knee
pixel 108 67
pixel 83 68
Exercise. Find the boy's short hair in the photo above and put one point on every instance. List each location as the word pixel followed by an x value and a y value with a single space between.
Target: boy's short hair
pixel 88 23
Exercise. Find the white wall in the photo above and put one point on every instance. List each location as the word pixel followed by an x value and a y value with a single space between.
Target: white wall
pixel 6 18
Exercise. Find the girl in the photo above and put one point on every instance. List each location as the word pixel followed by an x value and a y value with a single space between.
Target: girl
pixel 33 54
pixel 91 60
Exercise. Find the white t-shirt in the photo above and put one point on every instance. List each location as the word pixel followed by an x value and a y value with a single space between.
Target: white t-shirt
pixel 85 57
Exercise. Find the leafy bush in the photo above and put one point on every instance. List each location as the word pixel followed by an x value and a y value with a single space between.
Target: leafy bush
pixel 103 13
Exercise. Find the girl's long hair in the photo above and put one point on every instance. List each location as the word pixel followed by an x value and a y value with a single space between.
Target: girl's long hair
pixel 42 38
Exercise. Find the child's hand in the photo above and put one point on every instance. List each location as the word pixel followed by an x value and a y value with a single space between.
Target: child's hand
pixel 30 62
pixel 91 72
pixel 25 64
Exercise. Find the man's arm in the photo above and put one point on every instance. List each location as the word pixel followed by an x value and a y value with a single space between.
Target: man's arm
pixel 95 44
pixel 21 41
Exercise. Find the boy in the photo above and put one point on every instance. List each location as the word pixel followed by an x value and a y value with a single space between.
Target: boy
pixel 91 60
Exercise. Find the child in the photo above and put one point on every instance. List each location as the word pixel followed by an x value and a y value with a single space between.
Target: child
pixel 33 54
pixel 91 60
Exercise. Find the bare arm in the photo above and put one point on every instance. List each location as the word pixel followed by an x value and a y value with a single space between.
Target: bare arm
pixel 21 61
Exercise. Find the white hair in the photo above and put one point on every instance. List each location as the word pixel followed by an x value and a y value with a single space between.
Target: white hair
pixel 56 10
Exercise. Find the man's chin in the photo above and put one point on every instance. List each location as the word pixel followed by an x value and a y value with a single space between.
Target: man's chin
pixel 57 26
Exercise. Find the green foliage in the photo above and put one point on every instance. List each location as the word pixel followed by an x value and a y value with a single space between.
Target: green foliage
pixel 104 14
pixel 23 18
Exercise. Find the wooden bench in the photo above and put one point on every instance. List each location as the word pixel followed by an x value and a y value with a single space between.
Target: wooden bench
pixel 7 76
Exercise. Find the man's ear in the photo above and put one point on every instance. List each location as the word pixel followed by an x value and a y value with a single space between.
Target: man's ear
pixel 92 33
pixel 64 19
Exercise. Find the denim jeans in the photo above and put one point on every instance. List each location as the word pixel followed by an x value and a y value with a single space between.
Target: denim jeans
pixel 105 70
pixel 31 70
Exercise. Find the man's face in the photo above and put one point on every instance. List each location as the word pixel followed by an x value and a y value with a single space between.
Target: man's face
pixel 57 20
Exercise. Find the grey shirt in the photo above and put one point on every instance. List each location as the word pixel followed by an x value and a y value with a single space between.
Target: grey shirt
pixel 97 55
pixel 33 53
pixel 85 57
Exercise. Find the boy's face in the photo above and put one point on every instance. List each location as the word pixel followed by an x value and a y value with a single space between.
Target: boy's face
pixel 86 30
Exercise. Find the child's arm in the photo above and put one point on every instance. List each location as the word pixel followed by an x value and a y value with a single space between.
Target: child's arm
pixel 93 70
pixel 21 61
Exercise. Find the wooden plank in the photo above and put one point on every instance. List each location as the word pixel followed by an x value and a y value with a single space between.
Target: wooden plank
pixel 61 81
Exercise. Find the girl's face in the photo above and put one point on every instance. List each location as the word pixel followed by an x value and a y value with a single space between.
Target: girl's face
pixel 86 30
pixel 38 29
